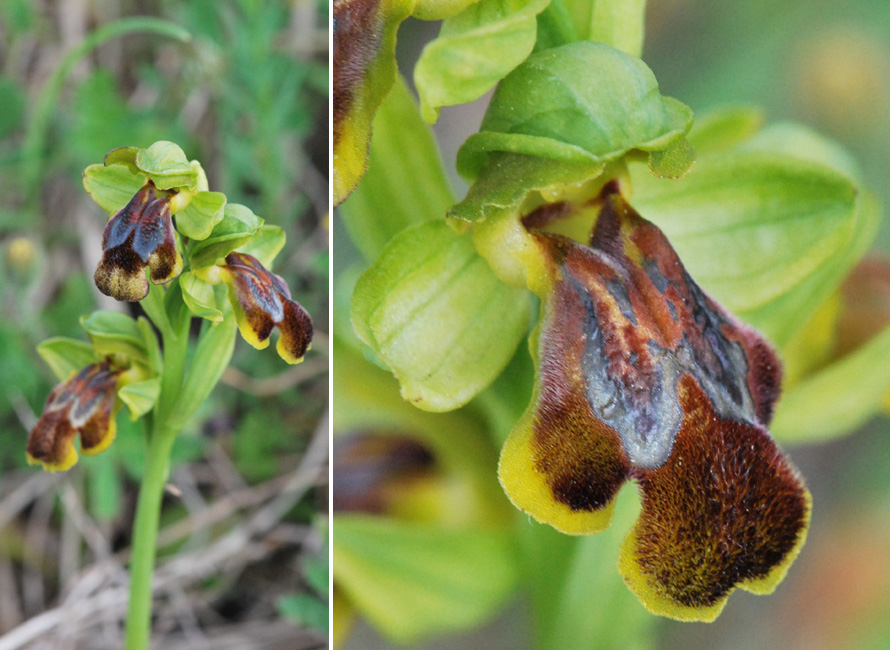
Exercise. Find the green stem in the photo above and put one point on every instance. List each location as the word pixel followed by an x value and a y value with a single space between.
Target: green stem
pixel 145 533
pixel 148 509
pixel 619 23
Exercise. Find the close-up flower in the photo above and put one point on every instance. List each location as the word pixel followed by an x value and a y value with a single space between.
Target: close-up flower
pixel 139 235
pixel 85 405
pixel 641 375
pixel 261 301
pixel 649 302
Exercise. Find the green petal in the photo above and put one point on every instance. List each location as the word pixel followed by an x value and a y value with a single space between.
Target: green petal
pixel 140 396
pixel 582 102
pixel 201 297
pixel 111 187
pixel 413 581
pixel 235 229
pixel 474 50
pixel 434 312
pixel 204 211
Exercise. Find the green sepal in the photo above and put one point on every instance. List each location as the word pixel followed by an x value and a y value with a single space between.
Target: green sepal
pixel 582 102
pixel 65 356
pixel 111 187
pixel 234 230
pixel 802 142
pixel 474 50
pixel 166 164
pixel 439 9
pixel 265 244
pixel 115 333
pixel 140 396
pixel 205 210
pixel 413 580
pixel 437 316
pixel 201 297
pixel 752 228
pixel 837 399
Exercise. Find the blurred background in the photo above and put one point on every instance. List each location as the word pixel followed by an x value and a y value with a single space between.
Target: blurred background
pixel 243 552
pixel 825 63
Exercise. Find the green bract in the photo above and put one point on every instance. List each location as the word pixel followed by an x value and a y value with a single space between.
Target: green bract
pixel 582 102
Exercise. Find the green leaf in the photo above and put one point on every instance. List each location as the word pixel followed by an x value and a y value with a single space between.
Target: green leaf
pixel 265 244
pixel 434 312
pixel 385 203
pixel 235 229
pixel 199 217
pixel 140 396
pixel 414 580
pixel 839 398
pixel 65 356
pixel 12 106
pixel 113 332
pixel 305 610
pixel 512 180
pixel 111 187
pixel 583 102
pixel 753 227
pixel 200 297
pixel 165 162
pixel 474 50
